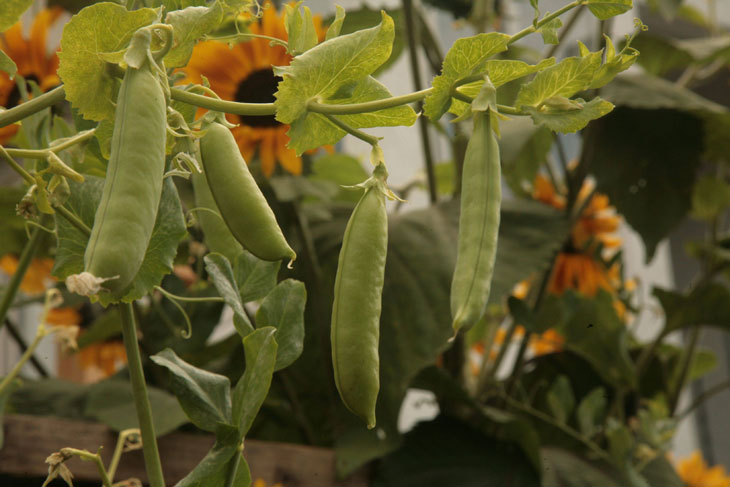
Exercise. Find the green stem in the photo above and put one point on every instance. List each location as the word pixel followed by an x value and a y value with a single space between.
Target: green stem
pixel 716 389
pixel 8 379
pixel 687 356
pixel 370 139
pixel 529 30
pixel 236 108
pixel 246 35
pixel 488 374
pixel 43 153
pixel 141 400
pixel 73 220
pixel 368 106
pixel 94 457
pixel 30 107
pixel 564 32
pixel 118 450
pixel 26 257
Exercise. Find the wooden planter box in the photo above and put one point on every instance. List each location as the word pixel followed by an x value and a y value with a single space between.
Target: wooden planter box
pixel 30 439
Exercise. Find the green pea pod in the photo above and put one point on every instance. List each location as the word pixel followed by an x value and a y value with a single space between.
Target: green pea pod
pixel 238 197
pixel 356 310
pixel 216 234
pixel 481 195
pixel 127 212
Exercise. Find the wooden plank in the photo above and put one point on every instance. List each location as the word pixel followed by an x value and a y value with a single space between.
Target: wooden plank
pixel 30 439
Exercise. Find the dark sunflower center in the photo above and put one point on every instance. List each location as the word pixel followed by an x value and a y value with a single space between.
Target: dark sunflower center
pixel 14 96
pixel 258 87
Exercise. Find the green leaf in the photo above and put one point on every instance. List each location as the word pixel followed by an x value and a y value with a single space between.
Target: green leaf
pixel 523 148
pixel 513 429
pixel 659 55
pixel 340 169
pixel 13 237
pixel 710 197
pixel 549 31
pixel 468 56
pixel 204 396
pixel 7 65
pixel 213 468
pixel 707 305
pixel 102 328
pixel 500 71
pixel 567 469
pixel 4 397
pixel 189 25
pixel 11 12
pixel 447 452
pixel 334 28
pixel 168 231
pixel 112 403
pixel 659 155
pixel 283 309
pixel 221 273
pixel 615 63
pixel 260 349
pixel 591 411
pixel 660 472
pixel 320 72
pixel 566 78
pixel 300 29
pixel 255 277
pixel 560 399
pixel 569 121
pixel 605 9
pixel 314 130
pixel 100 28
pixel 620 441
pixel 706 49
pixel 365 18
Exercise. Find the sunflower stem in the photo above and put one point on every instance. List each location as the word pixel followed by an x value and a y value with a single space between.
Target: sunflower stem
pixel 141 400
pixel 30 107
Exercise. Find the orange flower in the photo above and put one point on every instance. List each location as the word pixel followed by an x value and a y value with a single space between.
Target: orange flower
pixel 548 342
pixel 63 317
pixel 694 472
pixel 33 60
pixel 101 360
pixel 244 73
pixel 38 276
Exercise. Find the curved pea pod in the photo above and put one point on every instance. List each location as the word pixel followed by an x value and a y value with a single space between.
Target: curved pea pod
pixel 238 197
pixel 357 302
pixel 481 196
pixel 130 199
pixel 216 234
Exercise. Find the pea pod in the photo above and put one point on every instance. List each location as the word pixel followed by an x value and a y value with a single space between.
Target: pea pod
pixel 238 197
pixel 481 195
pixel 127 212
pixel 357 303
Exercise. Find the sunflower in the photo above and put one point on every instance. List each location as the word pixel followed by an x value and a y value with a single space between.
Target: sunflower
pixel 695 472
pixel 244 73
pixel 32 58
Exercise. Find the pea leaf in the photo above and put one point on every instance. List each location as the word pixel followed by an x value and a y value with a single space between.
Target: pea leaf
pixel 11 12
pixel 220 271
pixel 168 231
pixel 260 349
pixel 615 63
pixel 560 399
pixel 213 468
pixel 523 148
pixel 605 9
pixel 336 25
pixel 565 79
pixel 320 72
pixel 300 29
pixel 500 71
pixel 591 411
pixel 313 130
pixel 573 119
pixel 706 305
pixel 566 469
pixel 468 56
pixel 283 309
pixel 7 65
pixel 255 277
pixel 340 169
pixel 100 28
pixel 549 31
pixel 204 396
pixel 189 25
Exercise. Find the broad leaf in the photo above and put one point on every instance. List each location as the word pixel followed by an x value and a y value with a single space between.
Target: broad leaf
pixel 189 25
pixel 255 277
pixel 605 9
pixel 204 396
pixel 572 120
pixel 220 271
pixel 313 130
pixel 564 79
pixel 112 403
pixel 591 412
pixel 100 28
pixel 320 72
pixel 560 399
pixel 566 469
pixel 260 349
pixel 301 33
pixel 659 55
pixel 468 56
pixel 446 452
pixel 523 148
pixel 168 231
pixel 707 305
pixel 7 65
pixel 283 309
pixel 213 468
pixel 11 12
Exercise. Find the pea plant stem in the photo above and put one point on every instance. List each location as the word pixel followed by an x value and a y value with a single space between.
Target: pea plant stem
pixel 370 139
pixel 30 107
pixel 93 457
pixel 8 379
pixel 529 30
pixel 233 470
pixel 25 258
pixel 141 400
